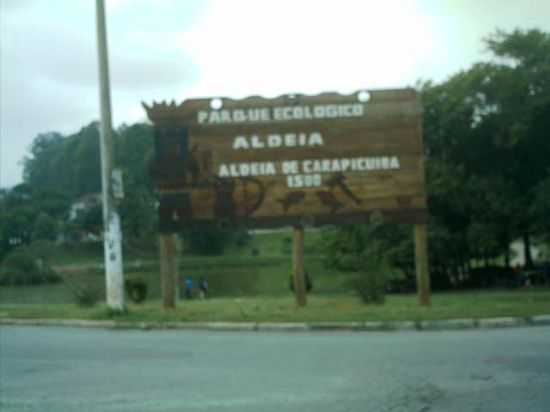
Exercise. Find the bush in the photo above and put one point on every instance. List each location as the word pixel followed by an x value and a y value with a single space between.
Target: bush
pixel 492 276
pixel 136 290
pixel 370 283
pixel 85 292
pixel 86 298
pixel 26 265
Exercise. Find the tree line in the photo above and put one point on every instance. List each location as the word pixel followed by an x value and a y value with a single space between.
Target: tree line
pixel 487 154
pixel 59 170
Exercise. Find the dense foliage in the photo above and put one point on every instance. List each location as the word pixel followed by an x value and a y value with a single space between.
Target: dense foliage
pixel 487 162
pixel 62 170
pixel 487 147
pixel 28 265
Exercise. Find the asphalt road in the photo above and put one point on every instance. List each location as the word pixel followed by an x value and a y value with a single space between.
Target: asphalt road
pixel 65 369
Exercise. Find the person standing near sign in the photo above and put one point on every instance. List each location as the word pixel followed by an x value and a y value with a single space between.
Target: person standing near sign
pixel 203 288
pixel 188 287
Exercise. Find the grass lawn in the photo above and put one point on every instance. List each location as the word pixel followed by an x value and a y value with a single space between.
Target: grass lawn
pixel 250 283
pixel 339 307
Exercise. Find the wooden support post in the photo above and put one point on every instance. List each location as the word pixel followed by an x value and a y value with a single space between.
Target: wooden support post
pixel 168 269
pixel 421 258
pixel 298 266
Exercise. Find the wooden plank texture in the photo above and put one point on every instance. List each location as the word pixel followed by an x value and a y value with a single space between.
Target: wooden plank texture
pixel 421 261
pixel 324 159
pixel 298 266
pixel 168 269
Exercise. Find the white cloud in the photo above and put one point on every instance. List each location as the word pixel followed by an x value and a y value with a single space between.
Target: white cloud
pixel 244 47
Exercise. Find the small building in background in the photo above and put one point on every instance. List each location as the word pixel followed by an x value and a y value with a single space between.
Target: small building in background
pixel 84 204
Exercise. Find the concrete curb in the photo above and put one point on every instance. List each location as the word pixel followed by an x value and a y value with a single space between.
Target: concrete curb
pixel 281 327
pixel 540 320
pixel 335 326
pixel 372 326
pixel 502 322
pixel 451 324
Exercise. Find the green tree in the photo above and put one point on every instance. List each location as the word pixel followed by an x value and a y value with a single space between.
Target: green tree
pixel 345 247
pixel 87 163
pixel 70 165
pixel 487 151
pixel 486 147
pixel 134 150
pixel 44 228
pixel 42 165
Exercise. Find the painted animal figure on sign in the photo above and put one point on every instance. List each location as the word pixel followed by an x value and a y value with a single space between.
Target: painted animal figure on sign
pixel 291 199
pixel 328 199
pixel 339 180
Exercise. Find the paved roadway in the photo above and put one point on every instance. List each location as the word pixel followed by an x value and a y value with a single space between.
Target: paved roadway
pixel 65 369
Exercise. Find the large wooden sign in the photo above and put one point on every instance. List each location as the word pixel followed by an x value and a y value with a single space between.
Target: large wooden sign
pixel 290 160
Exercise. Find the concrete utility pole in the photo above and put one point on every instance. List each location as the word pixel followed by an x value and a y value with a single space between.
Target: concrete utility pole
pixel 112 236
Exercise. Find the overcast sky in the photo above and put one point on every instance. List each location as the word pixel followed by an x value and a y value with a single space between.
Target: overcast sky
pixel 178 49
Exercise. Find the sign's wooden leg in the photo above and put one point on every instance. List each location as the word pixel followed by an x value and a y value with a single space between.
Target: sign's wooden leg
pixel 168 269
pixel 421 259
pixel 298 266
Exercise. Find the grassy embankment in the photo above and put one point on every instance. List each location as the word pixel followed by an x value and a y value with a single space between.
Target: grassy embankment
pixel 320 308
pixel 249 287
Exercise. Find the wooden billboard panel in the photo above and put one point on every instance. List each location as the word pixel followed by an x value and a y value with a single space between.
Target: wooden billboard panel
pixel 290 160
